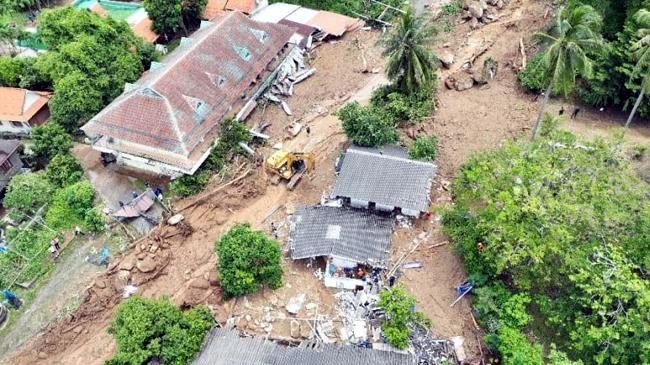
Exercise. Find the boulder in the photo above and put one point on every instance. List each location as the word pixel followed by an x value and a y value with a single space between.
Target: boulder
pixel 475 9
pixel 295 329
pixel 500 4
pixel 242 323
pixel 121 279
pixel 147 264
pixel 474 24
pixel 305 331
pixel 175 219
pixel 446 58
pixel 128 263
pixel 492 2
pixel 295 304
pixel 200 283
pixel 464 81
pixel 450 81
pixel 100 284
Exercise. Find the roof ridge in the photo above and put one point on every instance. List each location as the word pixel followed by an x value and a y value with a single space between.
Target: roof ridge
pixel 179 135
pixel 390 157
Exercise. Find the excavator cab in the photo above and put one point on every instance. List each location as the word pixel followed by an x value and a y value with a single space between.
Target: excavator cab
pixel 290 165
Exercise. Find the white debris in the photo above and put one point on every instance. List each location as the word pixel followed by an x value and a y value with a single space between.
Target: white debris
pixel 128 291
pixel 295 304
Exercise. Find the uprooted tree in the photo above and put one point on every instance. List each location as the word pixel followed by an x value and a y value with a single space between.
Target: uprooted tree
pixel 247 260
pixel 400 315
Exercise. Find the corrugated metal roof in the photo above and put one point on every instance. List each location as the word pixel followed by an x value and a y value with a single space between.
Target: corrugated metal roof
pixel 227 348
pixel 173 109
pixel 7 148
pixel 274 12
pixel 368 175
pixel 333 23
pixel 302 15
pixel 346 233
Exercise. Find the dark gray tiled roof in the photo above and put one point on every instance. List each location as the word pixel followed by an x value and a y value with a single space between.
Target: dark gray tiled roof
pixel 228 348
pixel 350 234
pixel 385 178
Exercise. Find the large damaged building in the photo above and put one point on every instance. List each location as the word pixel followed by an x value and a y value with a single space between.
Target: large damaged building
pixel 385 180
pixel 166 122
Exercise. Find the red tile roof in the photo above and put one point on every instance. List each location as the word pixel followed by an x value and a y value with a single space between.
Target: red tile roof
pixel 172 111
pixel 245 6
pixel 12 103
pixel 214 8
pixel 143 30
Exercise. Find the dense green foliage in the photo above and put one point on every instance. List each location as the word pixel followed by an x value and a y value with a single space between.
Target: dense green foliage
pixel 166 15
pixel 570 206
pixel 531 78
pixel 367 126
pixel 401 107
pixel 89 60
pixel 247 260
pixel 26 193
pixel 410 63
pixel 155 330
pixel 613 81
pixel 232 132
pixel 71 206
pixel 352 8
pixel 63 170
pixel 49 140
pixel 424 148
pixel 20 5
pixel 400 314
pixel 28 257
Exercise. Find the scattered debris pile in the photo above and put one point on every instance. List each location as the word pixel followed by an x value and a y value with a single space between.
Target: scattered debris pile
pixel 360 316
pixel 479 12
pixel 290 72
pixel 465 80
pixel 431 351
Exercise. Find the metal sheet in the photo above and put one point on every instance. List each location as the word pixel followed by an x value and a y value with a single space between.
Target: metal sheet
pixel 274 12
pixel 302 15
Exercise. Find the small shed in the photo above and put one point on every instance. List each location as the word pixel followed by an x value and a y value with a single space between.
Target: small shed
pixel 385 180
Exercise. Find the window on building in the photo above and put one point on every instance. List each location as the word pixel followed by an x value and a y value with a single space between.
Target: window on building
pixel 6 166
pixel 17 124
pixel 261 35
pixel 243 52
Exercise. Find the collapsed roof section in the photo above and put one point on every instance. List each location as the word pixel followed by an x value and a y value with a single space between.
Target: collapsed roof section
pixel 170 115
pixel 386 178
pixel 351 235
pixel 225 347
pixel 331 23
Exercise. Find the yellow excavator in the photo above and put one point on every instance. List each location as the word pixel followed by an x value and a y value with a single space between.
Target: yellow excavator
pixel 290 166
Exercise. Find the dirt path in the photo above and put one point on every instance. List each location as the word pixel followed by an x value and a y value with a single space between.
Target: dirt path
pixel 58 297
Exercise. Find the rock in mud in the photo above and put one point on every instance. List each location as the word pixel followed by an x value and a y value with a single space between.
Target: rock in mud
pixel 147 264
pixel 200 283
pixel 128 263
pixel 213 278
pixel 295 329
pixel 475 9
pixel 446 58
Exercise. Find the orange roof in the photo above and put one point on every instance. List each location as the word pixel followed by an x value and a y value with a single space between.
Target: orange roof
pixel 214 8
pixel 12 104
pixel 245 6
pixel 96 8
pixel 334 24
pixel 143 30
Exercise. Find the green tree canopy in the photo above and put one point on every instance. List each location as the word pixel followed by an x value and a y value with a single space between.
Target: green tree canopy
pixel 367 126
pixel 424 148
pixel 193 10
pixel 63 170
pixel 410 62
pixel 155 330
pixel 571 206
pixel 400 314
pixel 247 260
pixel 26 193
pixel 573 39
pixel 167 15
pixel 76 101
pixel 49 140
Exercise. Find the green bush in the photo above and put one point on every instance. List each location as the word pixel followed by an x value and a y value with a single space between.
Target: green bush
pixel 49 140
pixel 11 71
pixel 31 243
pixel 26 193
pixel 63 170
pixel 367 126
pixel 191 184
pixel 247 260
pixel 155 330
pixel 400 313
pixel 531 78
pixel 564 204
pixel 70 205
pixel 424 148
pixel 94 221
pixel 403 108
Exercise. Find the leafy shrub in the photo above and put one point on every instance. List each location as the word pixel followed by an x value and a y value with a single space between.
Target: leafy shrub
pixel 25 242
pixel 424 148
pixel 70 205
pixel 191 184
pixel 515 349
pixel 400 313
pixel 531 78
pixel 452 9
pixel 49 140
pixel 63 170
pixel 367 126
pixel 26 193
pixel 11 71
pixel 400 107
pixel 154 329
pixel 247 260
pixel 94 221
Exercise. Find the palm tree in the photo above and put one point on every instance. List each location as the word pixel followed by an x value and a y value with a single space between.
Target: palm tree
pixel 575 35
pixel 641 50
pixel 410 62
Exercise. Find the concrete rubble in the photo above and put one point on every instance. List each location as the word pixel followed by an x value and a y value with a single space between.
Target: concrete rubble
pixel 431 351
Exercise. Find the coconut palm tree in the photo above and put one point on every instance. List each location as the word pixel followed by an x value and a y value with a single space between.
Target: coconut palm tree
pixel 641 50
pixel 575 35
pixel 410 62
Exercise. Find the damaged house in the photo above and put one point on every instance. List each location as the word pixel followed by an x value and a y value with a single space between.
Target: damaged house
pixel 345 237
pixel 166 122
pixel 384 180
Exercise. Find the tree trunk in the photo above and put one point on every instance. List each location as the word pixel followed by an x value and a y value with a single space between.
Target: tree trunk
pixel 636 106
pixel 541 111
